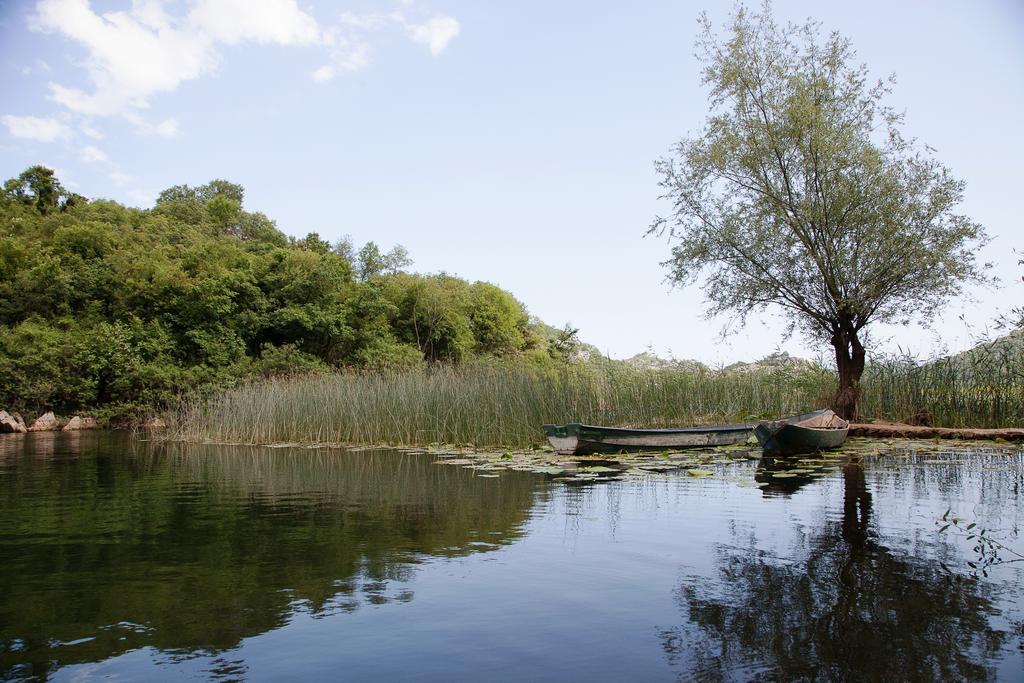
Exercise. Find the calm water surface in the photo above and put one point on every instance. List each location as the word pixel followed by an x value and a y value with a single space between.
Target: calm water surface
pixel 132 561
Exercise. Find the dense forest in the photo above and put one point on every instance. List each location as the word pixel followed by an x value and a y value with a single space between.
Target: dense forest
pixel 115 310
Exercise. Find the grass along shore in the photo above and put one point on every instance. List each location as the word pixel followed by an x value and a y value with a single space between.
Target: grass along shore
pixel 505 404
pixel 486 404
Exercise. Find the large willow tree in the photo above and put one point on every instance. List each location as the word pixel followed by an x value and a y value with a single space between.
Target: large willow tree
pixel 800 194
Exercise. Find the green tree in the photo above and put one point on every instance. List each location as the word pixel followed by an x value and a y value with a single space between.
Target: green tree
pixel 203 193
pixel 499 322
pixel 38 187
pixel 801 194
pixel 565 344
pixel 432 312
pixel 116 310
pixel 370 261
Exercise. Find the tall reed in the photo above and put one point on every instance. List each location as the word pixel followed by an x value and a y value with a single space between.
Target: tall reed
pixel 505 403
pixel 486 404
pixel 983 387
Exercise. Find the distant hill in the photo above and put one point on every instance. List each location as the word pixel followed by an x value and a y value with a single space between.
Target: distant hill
pixel 648 360
pixel 997 354
pixel 779 360
pixel 1012 342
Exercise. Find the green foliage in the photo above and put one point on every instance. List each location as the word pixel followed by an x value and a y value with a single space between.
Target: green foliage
pixel 116 310
pixel 287 359
pixel 122 367
pixel 369 261
pixel 498 321
pixel 801 194
pixel 566 343
pixel 38 188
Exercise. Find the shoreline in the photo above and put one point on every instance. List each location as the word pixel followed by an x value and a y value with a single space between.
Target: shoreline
pixel 880 429
pixel 887 430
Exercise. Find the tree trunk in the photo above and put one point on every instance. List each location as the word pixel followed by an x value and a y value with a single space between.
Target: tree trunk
pixel 850 366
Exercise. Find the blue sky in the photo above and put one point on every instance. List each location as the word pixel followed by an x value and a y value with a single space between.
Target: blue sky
pixel 503 141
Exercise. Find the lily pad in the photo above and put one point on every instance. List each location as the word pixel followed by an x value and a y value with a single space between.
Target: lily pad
pixel 700 473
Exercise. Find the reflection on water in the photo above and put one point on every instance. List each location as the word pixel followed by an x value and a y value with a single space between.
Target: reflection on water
pixel 126 559
pixel 838 605
pixel 110 546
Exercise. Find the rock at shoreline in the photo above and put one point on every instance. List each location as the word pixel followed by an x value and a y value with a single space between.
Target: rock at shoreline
pixel 154 423
pixel 47 422
pixel 11 424
pixel 76 423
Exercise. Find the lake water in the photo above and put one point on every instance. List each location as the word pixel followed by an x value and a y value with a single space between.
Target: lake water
pixel 135 561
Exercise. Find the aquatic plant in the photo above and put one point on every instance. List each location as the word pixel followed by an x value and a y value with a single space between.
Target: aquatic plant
pixel 486 403
pixel 990 551
pixel 983 387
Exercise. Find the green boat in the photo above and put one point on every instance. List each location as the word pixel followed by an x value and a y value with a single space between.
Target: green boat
pixel 580 439
pixel 806 433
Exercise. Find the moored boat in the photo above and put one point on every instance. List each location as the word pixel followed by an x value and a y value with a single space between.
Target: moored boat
pixel 806 433
pixel 579 439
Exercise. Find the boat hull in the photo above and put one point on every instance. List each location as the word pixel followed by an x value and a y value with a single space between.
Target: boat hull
pixel 581 439
pixel 788 437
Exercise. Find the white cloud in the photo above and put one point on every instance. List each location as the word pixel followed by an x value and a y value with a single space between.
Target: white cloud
pixel 39 66
pixel 435 33
pixel 134 54
pixel 265 21
pixel 167 128
pixel 34 128
pixel 91 132
pixel 347 56
pixel 131 55
pixel 370 22
pixel 323 74
pixel 93 155
pixel 350 52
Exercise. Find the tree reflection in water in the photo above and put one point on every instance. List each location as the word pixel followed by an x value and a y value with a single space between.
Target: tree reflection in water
pixel 847 608
pixel 190 549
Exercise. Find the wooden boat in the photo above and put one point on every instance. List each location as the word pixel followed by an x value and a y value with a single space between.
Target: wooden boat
pixel 805 433
pixel 580 439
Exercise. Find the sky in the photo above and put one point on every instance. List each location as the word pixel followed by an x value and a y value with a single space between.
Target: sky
pixel 511 142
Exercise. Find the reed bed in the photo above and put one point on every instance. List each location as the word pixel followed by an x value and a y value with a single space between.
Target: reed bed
pixel 485 404
pixel 505 403
pixel 982 388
